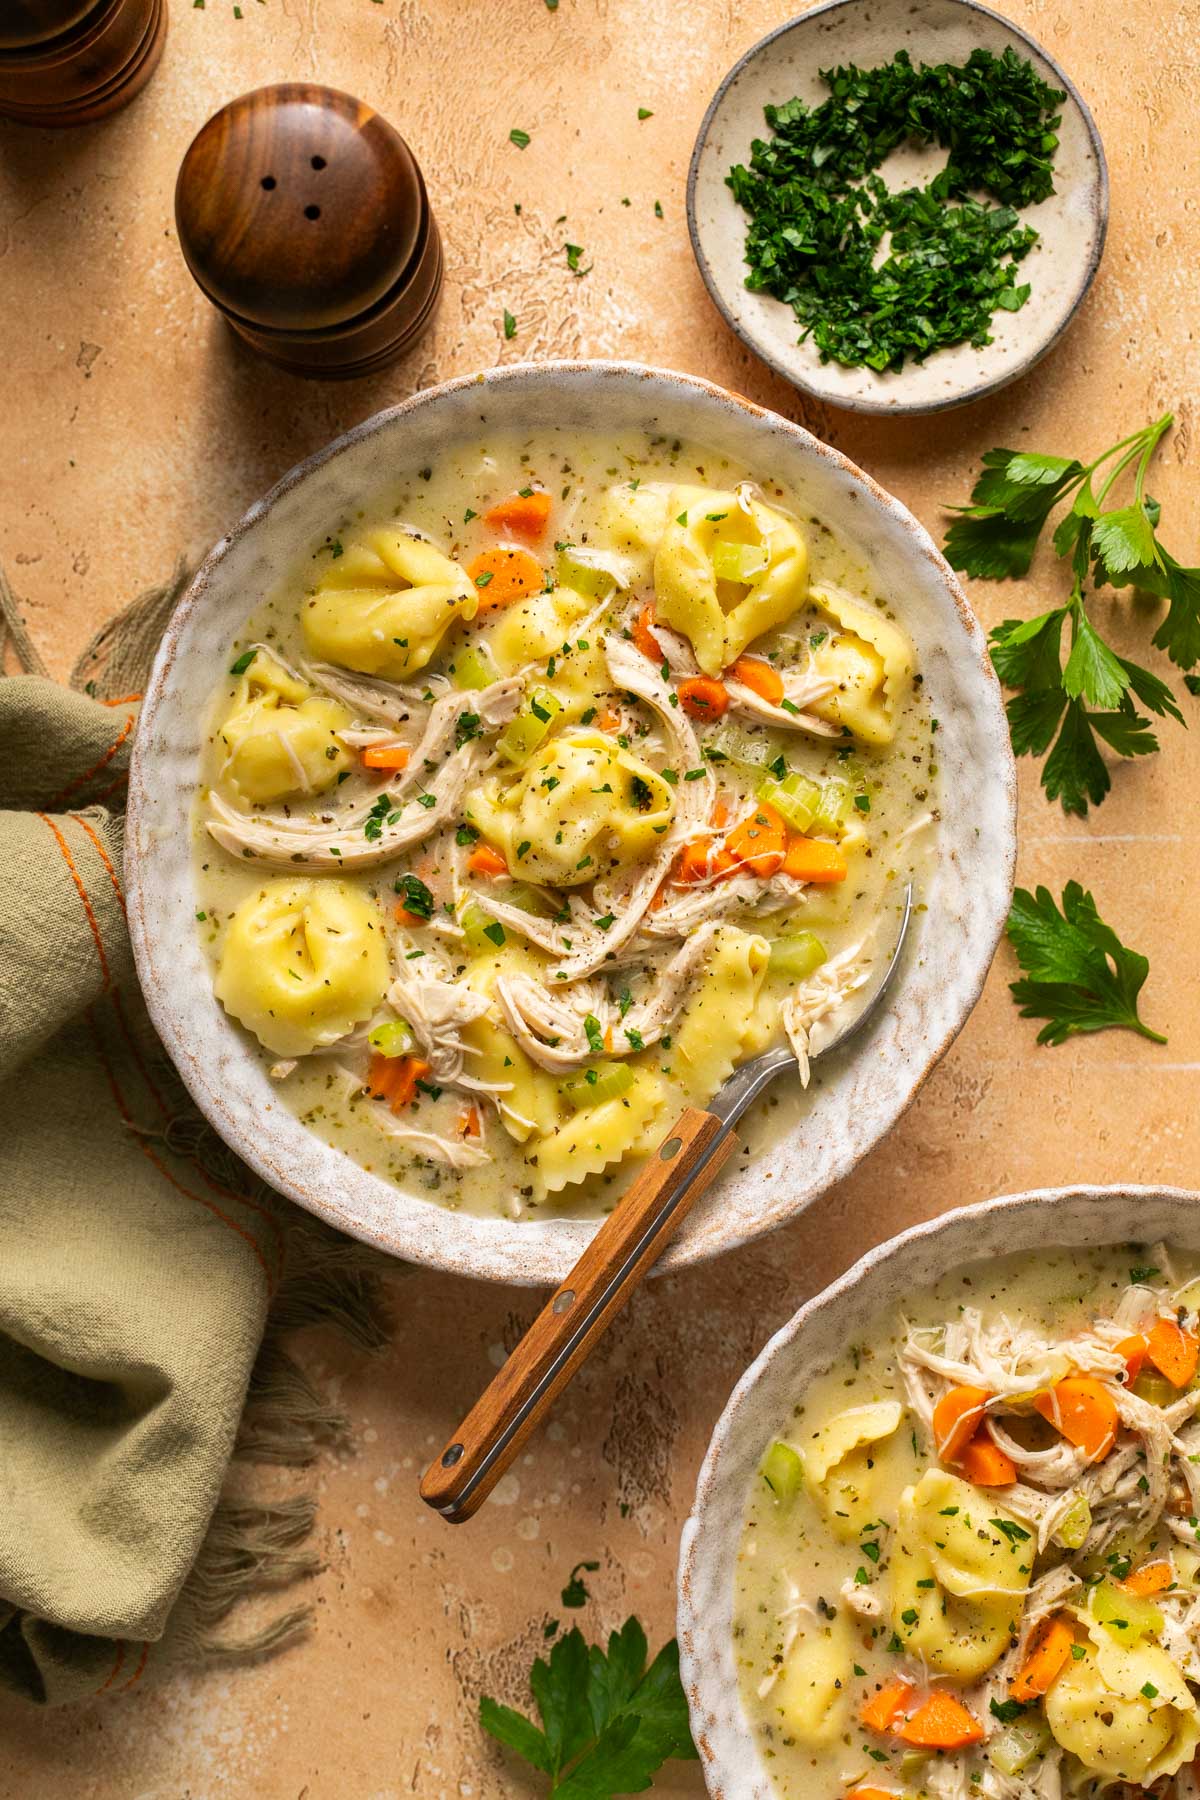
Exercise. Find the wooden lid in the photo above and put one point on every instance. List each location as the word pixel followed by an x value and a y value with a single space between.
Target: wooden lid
pixel 298 207
pixel 27 22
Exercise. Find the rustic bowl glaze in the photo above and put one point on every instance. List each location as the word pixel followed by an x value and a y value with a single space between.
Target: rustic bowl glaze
pixel 857 1095
pixel 804 1349
pixel 1071 223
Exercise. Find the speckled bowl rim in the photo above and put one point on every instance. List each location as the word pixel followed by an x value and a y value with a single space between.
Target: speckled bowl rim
pixel 732 1767
pixel 543 1253
pixel 899 408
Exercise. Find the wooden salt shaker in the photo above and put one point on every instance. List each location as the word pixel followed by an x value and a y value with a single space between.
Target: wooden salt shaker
pixel 304 218
pixel 69 62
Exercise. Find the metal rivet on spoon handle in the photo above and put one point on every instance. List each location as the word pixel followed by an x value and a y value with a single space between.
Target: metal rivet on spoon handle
pixel 623 1250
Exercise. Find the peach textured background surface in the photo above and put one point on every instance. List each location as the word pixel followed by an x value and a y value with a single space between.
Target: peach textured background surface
pixel 135 428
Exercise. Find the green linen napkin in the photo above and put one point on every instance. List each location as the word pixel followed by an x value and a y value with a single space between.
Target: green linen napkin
pixel 140 1264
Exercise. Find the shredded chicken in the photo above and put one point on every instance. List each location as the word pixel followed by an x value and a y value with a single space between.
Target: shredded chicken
pixel 551 1025
pixel 456 1152
pixel 389 703
pixel 436 1012
pixel 800 692
pixel 812 1005
pixel 424 802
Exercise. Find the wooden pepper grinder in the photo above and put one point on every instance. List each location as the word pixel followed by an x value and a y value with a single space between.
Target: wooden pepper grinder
pixel 69 62
pixel 303 216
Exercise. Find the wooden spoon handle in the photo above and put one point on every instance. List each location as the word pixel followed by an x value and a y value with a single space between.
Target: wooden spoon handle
pixel 624 1248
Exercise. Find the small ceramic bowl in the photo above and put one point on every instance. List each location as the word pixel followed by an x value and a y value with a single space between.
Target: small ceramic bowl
pixel 1071 223
pixel 804 1349
pixel 857 1095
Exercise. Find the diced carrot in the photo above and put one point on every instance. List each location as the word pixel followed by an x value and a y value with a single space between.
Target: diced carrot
pixel 695 863
pixel 404 917
pixel 608 1040
pixel 502 575
pixel 395 1078
pixel 607 720
pixel 872 1793
pixel 1133 1349
pixel 720 812
pixel 1049 1652
pixel 759 841
pixel 985 1463
pixel 1173 1351
pixel 483 860
pixel 523 513
pixel 956 1418
pixel 385 756
pixel 940 1723
pixel 1151 1578
pixel 703 697
pixel 880 1710
pixel 468 1121
pixel 759 677
pixel 644 638
pixel 815 860
pixel 1084 1411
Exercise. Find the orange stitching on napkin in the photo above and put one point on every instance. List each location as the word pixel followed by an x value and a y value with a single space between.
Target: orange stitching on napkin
pixel 137 1673
pixel 103 855
pixel 115 1670
pixel 218 1187
pixel 125 700
pixel 82 780
pixel 148 1153
pixel 83 895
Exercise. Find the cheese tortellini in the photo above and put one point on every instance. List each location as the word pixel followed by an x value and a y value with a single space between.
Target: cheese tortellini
pixel 279 738
pixel 534 630
pixel 597 1136
pixel 581 808
pixel 528 1101
pixel 839 1464
pixel 718 1016
pixel 870 662
pixel 813 1694
pixel 707 533
pixel 1124 1710
pixel 384 605
pixel 960 1569
pixel 303 963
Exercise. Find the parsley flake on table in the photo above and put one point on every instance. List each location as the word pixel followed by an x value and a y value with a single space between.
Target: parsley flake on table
pixel 520 138
pixel 609 1722
pixel 820 212
pixel 510 326
pixel 1065 709
pixel 1077 974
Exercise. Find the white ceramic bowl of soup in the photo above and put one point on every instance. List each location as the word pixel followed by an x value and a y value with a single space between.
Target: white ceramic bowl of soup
pixel 973 1241
pixel 858 1095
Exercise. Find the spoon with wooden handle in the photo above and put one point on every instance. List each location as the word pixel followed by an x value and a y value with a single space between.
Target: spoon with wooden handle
pixel 623 1250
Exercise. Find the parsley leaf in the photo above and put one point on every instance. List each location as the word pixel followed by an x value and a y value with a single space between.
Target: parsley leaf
pixel 1077 974
pixel 608 1721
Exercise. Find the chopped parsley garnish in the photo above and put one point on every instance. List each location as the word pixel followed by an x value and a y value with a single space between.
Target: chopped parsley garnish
pixel 594 1032
pixel 426 800
pixel 604 923
pixel 1016 1534
pixel 243 662
pixel 415 896
pixel 495 932
pixel 466 728
pixel 510 326
pixel 819 211
pixel 635 1038
pixel 466 834
pixel 574 256
pixel 483 578
pixel 1142 1272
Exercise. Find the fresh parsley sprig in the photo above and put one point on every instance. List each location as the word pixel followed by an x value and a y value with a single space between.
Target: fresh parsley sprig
pixel 1068 710
pixel 1077 974
pixel 609 1722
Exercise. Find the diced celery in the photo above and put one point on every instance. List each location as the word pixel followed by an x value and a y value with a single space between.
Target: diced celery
pixel 794 958
pixel 474 667
pixel 783 1472
pixel 739 562
pixel 528 728
pixel 796 798
pixel 913 1764
pixel 1019 1744
pixel 576 570
pixel 393 1038
pixel 1126 1617
pixel 603 1081
pixel 1075 1524
pixel 1155 1388
pixel 837 799
pixel 737 746
pixel 481 931
pixel 526 898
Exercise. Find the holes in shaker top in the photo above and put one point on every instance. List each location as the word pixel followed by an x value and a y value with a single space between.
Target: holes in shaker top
pixel 318 162
pixel 312 212
pixel 268 182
